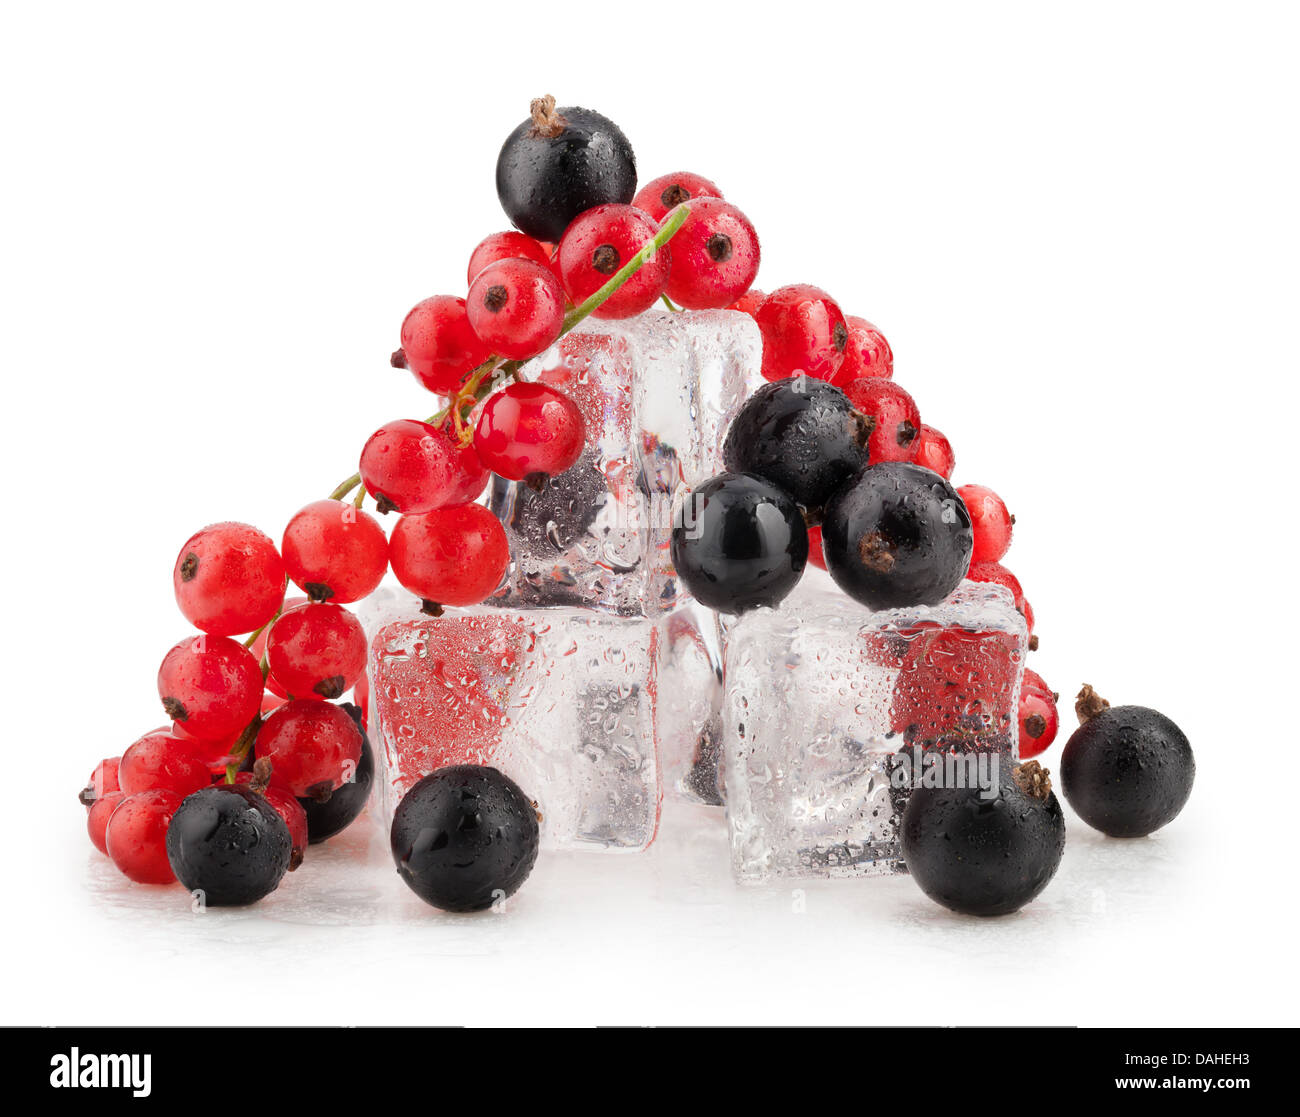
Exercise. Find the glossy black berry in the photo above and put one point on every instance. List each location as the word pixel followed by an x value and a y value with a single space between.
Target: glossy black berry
pixel 342 808
pixel 985 854
pixel 739 542
pixel 803 436
pixel 559 163
pixel 897 535
pixel 1127 770
pixel 464 837
pixel 229 844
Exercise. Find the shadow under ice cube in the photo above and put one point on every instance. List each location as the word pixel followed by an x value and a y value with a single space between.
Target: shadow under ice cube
pixel 831 710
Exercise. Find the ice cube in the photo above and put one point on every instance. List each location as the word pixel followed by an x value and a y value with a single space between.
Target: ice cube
pixel 830 710
pixel 657 393
pixel 689 721
pixel 561 700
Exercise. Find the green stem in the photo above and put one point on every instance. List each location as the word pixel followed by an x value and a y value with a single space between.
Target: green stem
pixel 252 636
pixel 241 748
pixel 592 302
pixel 486 376
pixel 345 487
pixel 669 304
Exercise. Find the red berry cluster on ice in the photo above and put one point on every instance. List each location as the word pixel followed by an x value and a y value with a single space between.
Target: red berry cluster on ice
pixel 254 694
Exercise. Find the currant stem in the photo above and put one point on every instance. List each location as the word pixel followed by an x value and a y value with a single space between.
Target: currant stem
pixel 485 377
pixel 669 304
pixel 252 636
pixel 346 487
pixel 674 221
pixel 494 368
pixel 241 748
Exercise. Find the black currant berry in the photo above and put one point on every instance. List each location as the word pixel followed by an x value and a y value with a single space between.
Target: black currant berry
pixel 739 542
pixel 464 837
pixel 985 854
pixel 230 844
pixel 1127 770
pixel 342 808
pixel 897 535
pixel 560 163
pixel 803 436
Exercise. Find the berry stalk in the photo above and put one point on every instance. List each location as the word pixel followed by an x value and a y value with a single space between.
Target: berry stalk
pixel 490 372
pixel 240 749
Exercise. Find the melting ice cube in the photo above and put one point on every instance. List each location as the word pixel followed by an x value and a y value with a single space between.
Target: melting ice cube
pixel 561 700
pixel 831 710
pixel 657 393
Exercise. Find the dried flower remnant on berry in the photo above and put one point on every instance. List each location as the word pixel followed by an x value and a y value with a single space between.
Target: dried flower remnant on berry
pixel 1089 704
pixel 547 121
pixel 1033 779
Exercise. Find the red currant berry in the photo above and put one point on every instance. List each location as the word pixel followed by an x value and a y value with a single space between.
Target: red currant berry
pixel 999 575
pixel 316 651
pixel 361 696
pixel 866 354
pixel 288 808
pixel 313 747
pixel 667 192
pixel 529 429
pixel 160 760
pixel 438 344
pixel 335 551
pixel 749 302
pixel 410 466
pixel 454 556
pixel 506 246
pixel 136 836
pixel 295 818
pixel 103 781
pixel 601 241
pixel 101 810
pixel 211 685
pixel 815 554
pixel 892 416
pixel 715 256
pixel 517 308
pixel 934 451
pixel 213 752
pixel 803 331
pixel 228 579
pixel 949 678
pixel 1038 715
pixel 259 653
pixel 1034 681
pixel 989 520
pixel 273 699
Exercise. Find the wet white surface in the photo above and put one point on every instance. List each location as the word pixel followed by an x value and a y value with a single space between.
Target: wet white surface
pixel 666 936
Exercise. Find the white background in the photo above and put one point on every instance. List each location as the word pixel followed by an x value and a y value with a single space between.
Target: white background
pixel 1078 231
